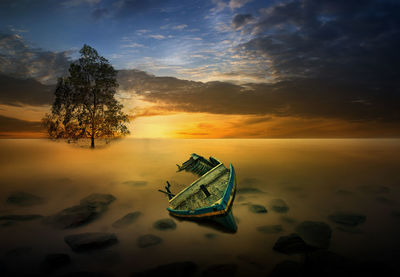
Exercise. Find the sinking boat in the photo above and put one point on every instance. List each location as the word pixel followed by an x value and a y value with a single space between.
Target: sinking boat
pixel 209 197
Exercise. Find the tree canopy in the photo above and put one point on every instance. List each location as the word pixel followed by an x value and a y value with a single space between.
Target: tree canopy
pixel 85 105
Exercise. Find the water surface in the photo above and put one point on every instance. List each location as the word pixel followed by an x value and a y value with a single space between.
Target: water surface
pixel 314 177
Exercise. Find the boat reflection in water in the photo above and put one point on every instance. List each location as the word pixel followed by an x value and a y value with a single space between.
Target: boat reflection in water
pixel 209 199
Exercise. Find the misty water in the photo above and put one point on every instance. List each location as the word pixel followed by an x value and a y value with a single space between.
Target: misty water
pixel 315 178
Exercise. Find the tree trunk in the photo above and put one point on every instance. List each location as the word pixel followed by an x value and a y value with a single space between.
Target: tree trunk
pixel 92 144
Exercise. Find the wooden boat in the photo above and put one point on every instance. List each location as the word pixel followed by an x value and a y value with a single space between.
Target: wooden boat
pixel 210 196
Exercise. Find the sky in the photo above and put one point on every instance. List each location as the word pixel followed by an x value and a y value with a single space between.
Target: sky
pixel 212 68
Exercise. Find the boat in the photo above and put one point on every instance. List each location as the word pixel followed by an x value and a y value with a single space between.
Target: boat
pixel 210 197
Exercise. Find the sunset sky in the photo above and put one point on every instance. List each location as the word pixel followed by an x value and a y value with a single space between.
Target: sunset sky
pixel 212 68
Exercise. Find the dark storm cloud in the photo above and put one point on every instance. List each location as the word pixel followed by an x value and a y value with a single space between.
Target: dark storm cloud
pixel 8 124
pixel 296 97
pixel 19 60
pixel 132 7
pixel 16 91
pixel 241 20
pixel 352 41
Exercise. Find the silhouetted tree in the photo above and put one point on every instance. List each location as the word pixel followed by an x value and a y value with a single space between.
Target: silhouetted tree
pixel 85 104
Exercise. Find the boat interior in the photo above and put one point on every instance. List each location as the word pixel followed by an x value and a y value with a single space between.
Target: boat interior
pixel 204 192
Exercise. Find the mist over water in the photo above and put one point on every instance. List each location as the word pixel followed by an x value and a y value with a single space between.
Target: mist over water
pixel 314 177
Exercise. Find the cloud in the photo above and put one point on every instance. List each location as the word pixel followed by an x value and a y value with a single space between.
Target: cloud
pixel 157 36
pixel 9 124
pixel 355 42
pixel 100 12
pixel 301 97
pixel 236 4
pixel 240 20
pixel 75 3
pixel 132 45
pixel 20 60
pixel 180 27
pixel 16 91
pixel 131 7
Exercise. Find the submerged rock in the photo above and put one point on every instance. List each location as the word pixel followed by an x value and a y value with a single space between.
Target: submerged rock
pixel 291 244
pixel 210 235
pixel 54 261
pixel 20 217
pixel 317 234
pixel 127 220
pixel 24 199
pixel 270 229
pixel 90 241
pixel 347 219
pixel 19 251
pixel 86 274
pixel 177 269
pixel 374 189
pixel 220 270
pixel 148 240
pixel 287 268
pixel 349 229
pixel 165 224
pixel 90 208
pixel 257 209
pixel 279 206
pixel 135 183
pixel 98 200
pixel 73 217
pixel 249 190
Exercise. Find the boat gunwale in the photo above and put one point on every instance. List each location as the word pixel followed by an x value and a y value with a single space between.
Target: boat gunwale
pixel 195 181
pixel 213 210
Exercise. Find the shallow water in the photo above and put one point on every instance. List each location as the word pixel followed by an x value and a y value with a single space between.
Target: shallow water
pixel 314 177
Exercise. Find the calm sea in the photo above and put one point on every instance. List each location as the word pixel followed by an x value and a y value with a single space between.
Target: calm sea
pixel 314 177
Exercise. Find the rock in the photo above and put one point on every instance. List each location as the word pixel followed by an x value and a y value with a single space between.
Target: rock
pixel 257 209
pixel 220 270
pixel 288 219
pixel 279 206
pixel 374 189
pixel 98 200
pixel 165 224
pixel 73 217
pixel 384 200
pixel 126 220
pixel 317 234
pixel 24 199
pixel 7 223
pixel 210 235
pixel 54 261
pixel 90 241
pixel 347 219
pixel 291 244
pixel 148 240
pixel 287 268
pixel 86 274
pixel 177 269
pixel 270 229
pixel 19 252
pixel 20 217
pixel 90 208
pixel 344 192
pixel 248 190
pixel 349 229
pixel 135 183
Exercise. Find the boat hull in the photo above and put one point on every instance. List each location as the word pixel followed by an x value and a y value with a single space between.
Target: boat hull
pixel 218 210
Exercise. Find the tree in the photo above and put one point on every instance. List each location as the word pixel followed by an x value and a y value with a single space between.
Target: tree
pixel 85 105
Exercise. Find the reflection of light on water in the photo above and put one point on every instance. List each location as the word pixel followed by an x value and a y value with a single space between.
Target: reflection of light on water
pixel 310 175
